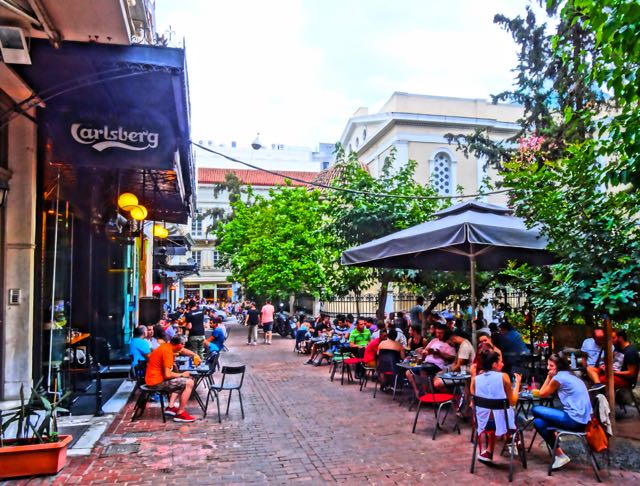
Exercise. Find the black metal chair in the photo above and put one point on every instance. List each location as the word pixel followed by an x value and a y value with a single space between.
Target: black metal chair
pixel 230 387
pixel 517 435
pixel 145 393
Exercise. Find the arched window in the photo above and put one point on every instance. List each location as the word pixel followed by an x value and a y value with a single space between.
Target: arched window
pixel 364 134
pixel 441 176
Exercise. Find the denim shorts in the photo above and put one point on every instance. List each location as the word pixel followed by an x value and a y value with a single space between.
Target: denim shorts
pixel 267 326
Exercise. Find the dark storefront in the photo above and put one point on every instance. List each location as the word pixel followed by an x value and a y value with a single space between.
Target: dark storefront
pixel 115 120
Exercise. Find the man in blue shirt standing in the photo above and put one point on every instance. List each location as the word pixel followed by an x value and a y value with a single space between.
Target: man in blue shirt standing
pixel 139 347
pixel 512 346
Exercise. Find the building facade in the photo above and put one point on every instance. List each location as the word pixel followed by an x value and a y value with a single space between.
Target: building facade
pixel 91 110
pixel 415 126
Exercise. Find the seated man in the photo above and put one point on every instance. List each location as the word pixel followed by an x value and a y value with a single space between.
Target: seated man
pixel 161 377
pixel 593 349
pixel 302 334
pixel 320 340
pixel 436 355
pixel 215 342
pixel 371 351
pixel 139 347
pixel 465 352
pixel 359 337
pixel 628 374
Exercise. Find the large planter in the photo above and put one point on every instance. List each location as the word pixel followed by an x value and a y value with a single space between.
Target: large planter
pixel 26 459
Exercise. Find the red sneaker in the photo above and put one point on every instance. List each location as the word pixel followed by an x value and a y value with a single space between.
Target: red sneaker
pixel 485 457
pixel 171 411
pixel 184 417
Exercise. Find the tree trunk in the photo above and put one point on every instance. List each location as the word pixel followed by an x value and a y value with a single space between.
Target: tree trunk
pixel 382 294
pixel 292 300
pixel 608 357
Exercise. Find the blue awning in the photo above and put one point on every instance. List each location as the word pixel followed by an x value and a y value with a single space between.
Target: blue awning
pixel 115 107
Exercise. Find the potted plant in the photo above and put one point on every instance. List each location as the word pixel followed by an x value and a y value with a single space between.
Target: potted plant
pixel 37 448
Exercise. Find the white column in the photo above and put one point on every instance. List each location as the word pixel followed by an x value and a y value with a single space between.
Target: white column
pixel 20 233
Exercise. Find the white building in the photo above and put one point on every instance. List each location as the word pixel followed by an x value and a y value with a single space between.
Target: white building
pixel 274 156
pixel 212 282
pixel 415 125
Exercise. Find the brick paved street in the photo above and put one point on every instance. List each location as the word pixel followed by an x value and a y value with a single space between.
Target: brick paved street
pixel 299 427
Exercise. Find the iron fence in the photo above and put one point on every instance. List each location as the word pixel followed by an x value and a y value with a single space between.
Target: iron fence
pixel 367 304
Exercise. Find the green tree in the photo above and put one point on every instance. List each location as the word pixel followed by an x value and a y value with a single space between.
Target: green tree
pixel 577 141
pixel 357 217
pixel 275 247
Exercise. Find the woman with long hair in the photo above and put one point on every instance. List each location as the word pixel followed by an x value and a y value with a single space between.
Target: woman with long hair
pixel 576 405
pixel 493 384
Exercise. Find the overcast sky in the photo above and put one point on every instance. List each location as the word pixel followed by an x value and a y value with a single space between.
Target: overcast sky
pixel 296 70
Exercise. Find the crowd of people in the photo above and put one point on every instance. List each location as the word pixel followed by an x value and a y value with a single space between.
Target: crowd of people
pixel 154 348
pixel 442 344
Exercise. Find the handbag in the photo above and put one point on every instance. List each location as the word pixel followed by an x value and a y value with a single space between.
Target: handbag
pixel 596 436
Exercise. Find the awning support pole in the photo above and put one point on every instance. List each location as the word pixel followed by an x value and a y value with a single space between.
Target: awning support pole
pixel 53 280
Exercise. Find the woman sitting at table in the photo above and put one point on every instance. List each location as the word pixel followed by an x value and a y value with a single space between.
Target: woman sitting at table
pixel 494 384
pixel 576 406
pixel 390 352
pixel 485 343
pixel 416 341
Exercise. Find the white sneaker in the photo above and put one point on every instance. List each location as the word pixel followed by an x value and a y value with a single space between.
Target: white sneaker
pixel 560 461
pixel 254 343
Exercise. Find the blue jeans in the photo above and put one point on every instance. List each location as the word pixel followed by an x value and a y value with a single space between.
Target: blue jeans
pixel 546 417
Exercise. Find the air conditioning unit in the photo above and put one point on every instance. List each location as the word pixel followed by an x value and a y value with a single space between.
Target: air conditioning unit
pixel 13 46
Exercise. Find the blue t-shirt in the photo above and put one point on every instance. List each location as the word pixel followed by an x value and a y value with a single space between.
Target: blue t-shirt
pixel 512 342
pixel 218 340
pixel 139 348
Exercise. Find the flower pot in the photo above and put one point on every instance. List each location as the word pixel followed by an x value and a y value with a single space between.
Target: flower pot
pixel 24 458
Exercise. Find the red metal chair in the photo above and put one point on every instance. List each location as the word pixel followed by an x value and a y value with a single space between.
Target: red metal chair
pixel 427 395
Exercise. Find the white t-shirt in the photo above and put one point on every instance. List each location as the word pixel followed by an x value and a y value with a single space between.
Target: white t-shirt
pixel 401 338
pixel 466 351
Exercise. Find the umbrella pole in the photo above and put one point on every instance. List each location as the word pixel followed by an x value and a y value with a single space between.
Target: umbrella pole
pixel 472 279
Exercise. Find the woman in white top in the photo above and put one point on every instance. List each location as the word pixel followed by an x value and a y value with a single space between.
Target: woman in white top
pixel 576 405
pixel 493 384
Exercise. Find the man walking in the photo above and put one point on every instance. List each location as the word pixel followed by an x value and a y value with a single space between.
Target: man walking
pixel 266 319
pixel 195 325
pixel 253 319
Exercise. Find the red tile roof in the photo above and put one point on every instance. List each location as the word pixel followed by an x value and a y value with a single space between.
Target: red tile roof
pixel 254 177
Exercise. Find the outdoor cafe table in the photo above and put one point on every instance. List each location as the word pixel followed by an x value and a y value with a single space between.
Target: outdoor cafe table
pixel 457 382
pixel 200 374
pixel 526 401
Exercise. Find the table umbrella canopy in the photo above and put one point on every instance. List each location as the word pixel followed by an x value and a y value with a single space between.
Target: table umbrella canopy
pixel 470 231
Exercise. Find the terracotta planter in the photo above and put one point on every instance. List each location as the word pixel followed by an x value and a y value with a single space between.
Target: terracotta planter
pixel 33 459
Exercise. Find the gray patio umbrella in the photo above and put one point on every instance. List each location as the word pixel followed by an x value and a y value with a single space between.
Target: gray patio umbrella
pixel 467 236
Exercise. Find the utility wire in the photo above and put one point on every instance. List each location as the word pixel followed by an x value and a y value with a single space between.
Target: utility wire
pixel 344 189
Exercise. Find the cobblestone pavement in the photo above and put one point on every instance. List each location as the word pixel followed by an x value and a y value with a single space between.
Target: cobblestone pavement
pixel 299 428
